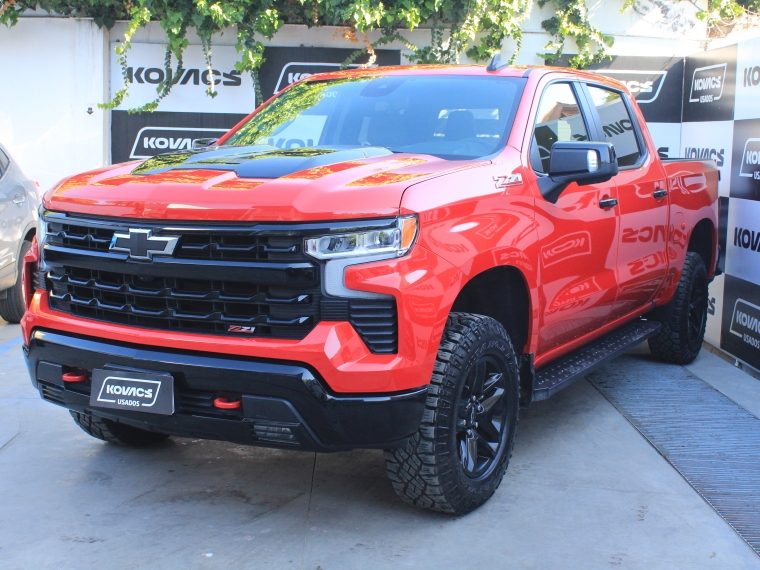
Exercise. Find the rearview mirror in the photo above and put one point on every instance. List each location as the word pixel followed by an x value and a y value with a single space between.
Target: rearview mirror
pixel 200 144
pixel 582 162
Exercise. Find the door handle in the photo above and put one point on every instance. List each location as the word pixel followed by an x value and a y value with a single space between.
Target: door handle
pixel 18 198
pixel 608 203
pixel 661 193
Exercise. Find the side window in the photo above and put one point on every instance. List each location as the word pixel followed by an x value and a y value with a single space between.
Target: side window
pixel 4 162
pixel 559 119
pixel 617 124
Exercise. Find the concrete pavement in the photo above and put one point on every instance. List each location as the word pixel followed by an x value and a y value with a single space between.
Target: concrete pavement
pixel 584 490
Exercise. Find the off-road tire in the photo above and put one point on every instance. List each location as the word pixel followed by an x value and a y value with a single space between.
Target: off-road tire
pixel 115 432
pixel 428 471
pixel 12 308
pixel 680 338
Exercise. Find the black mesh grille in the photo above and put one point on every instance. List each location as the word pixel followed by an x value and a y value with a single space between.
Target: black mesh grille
pixel 183 304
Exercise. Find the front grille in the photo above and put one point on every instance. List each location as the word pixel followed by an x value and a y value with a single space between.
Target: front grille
pixel 253 282
pixel 202 305
pixel 194 245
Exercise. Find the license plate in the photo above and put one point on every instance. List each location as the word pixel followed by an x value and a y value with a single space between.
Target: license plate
pixel 135 391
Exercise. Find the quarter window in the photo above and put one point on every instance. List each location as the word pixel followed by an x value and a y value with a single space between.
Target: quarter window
pixel 559 119
pixel 617 124
pixel 4 162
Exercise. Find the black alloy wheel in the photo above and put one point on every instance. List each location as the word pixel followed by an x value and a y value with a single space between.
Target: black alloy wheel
pixel 458 456
pixel 482 416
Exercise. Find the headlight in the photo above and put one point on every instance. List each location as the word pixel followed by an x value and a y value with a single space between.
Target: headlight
pixel 393 242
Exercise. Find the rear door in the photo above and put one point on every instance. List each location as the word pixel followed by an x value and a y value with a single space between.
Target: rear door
pixel 643 201
pixel 578 238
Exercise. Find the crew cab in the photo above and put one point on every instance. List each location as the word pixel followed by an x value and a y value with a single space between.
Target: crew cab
pixel 392 258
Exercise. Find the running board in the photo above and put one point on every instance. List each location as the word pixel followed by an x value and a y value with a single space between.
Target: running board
pixel 561 373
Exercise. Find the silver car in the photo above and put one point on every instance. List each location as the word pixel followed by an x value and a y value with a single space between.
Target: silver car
pixel 19 201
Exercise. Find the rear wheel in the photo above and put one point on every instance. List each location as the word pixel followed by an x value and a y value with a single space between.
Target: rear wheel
pixel 12 308
pixel 685 317
pixel 458 457
pixel 115 432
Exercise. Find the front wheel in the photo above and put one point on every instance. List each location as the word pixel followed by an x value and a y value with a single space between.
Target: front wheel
pixel 458 457
pixel 685 317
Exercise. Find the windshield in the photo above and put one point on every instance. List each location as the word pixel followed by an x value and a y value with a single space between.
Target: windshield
pixel 452 117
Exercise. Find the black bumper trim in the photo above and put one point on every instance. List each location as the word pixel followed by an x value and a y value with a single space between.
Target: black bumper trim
pixel 279 397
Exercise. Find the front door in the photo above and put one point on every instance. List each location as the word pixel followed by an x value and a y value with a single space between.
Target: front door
pixel 578 238
pixel 643 203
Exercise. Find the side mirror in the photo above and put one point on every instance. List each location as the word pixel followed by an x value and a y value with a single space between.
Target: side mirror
pixel 582 162
pixel 200 144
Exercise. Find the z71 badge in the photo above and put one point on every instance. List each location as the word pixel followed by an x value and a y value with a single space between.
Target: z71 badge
pixel 241 329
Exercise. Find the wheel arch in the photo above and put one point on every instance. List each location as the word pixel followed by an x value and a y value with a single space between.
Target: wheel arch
pixel 511 308
pixel 702 242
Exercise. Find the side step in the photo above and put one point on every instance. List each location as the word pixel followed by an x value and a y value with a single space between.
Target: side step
pixel 561 373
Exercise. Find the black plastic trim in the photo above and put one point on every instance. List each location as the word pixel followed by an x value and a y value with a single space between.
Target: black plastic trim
pixel 286 394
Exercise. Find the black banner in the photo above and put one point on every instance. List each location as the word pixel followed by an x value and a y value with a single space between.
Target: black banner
pixel 655 82
pixel 745 160
pixel 285 65
pixel 143 135
pixel 709 86
pixel 740 333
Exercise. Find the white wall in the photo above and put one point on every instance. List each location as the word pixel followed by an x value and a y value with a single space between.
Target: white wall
pixel 53 71
pixel 56 69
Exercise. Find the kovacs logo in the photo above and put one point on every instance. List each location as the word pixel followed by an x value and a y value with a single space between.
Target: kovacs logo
pixel 747 239
pixel 645 85
pixel 750 167
pixel 297 70
pixel 129 392
pixel 707 83
pixel 745 322
pixel 155 75
pixel 151 141
pixel 704 154
pixel 751 76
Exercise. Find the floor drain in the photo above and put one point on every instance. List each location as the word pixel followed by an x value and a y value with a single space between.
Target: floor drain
pixel 712 441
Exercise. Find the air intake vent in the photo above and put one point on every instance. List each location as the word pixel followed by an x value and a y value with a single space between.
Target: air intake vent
pixel 274 433
pixel 376 322
pixel 52 393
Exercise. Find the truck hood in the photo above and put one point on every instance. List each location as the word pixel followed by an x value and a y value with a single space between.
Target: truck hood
pixel 255 183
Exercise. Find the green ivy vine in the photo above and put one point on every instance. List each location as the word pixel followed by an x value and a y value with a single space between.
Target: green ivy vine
pixel 477 28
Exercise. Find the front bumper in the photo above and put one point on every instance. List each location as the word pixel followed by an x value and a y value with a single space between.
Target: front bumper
pixel 423 284
pixel 285 404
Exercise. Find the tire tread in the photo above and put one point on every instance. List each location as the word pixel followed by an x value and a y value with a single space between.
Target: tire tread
pixel 421 472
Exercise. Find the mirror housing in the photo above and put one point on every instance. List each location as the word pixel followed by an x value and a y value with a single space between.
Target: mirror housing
pixel 200 144
pixel 582 162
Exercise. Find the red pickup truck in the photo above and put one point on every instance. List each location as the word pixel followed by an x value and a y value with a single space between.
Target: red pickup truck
pixel 378 258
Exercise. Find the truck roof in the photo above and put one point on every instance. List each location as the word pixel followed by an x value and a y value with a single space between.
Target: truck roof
pixel 468 69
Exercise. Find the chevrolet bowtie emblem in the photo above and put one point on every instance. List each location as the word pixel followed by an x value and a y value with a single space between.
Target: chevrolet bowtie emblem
pixel 142 244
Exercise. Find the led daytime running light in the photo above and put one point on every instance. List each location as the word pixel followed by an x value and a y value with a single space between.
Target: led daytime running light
pixel 395 241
